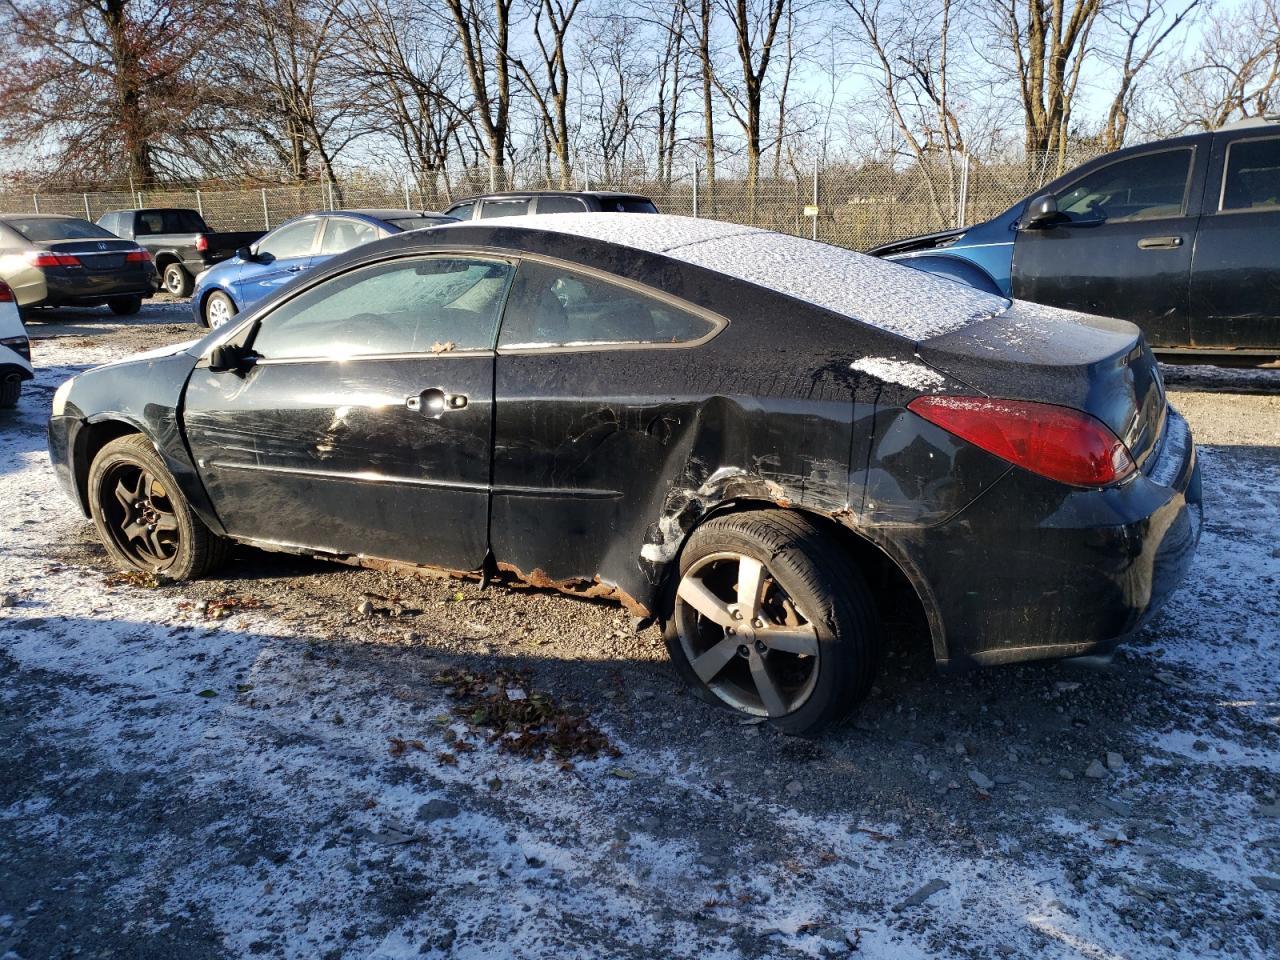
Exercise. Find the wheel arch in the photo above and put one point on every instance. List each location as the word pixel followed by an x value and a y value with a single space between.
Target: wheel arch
pixel 893 579
pixel 91 438
pixel 209 292
pixel 165 257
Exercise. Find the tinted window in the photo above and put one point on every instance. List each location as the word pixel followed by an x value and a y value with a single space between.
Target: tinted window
pixel 560 205
pixel 40 229
pixel 168 221
pixel 461 210
pixel 554 306
pixel 341 234
pixel 627 205
pixel 503 208
pixel 1253 175
pixel 1140 188
pixel 429 305
pixel 289 241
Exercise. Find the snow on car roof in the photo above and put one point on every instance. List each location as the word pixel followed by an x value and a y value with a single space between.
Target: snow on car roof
pixel 903 301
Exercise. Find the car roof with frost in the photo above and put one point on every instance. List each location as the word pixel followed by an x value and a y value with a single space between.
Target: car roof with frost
pixel 891 297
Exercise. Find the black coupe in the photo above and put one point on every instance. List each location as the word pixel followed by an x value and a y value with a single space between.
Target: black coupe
pixel 740 434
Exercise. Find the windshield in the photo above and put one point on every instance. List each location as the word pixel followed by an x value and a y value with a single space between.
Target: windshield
pixel 41 229
pixel 417 223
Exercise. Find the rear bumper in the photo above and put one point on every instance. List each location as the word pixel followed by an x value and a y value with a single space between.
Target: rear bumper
pixel 82 287
pixel 1034 570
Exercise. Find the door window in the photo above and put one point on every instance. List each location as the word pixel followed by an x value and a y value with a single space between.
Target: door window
pixel 553 306
pixel 1252 179
pixel 1140 188
pixel 461 210
pixel 560 205
pixel 287 242
pixel 428 305
pixel 342 234
pixel 504 208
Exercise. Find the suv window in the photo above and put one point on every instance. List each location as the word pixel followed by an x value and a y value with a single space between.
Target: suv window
pixel 342 234
pixel 553 306
pixel 1140 188
pixel 1252 178
pixel 503 208
pixel 290 241
pixel 111 222
pixel 627 205
pixel 461 210
pixel 425 305
pixel 560 205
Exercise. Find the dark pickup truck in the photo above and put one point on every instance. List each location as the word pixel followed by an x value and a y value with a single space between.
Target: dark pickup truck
pixel 1180 237
pixel 181 243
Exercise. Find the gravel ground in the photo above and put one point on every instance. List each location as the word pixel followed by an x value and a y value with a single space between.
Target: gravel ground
pixel 268 763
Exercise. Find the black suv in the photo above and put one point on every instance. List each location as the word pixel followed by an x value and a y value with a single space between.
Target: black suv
pixel 1179 236
pixel 517 204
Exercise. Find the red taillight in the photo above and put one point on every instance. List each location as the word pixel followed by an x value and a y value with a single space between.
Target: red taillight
pixel 1056 442
pixel 138 256
pixel 6 293
pixel 43 259
pixel 202 242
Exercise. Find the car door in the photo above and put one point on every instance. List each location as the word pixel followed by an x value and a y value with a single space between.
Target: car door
pixel 363 424
pixel 1235 276
pixel 277 258
pixel 594 387
pixel 1121 245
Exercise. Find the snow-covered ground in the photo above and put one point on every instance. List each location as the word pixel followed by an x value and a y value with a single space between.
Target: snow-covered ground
pixel 179 786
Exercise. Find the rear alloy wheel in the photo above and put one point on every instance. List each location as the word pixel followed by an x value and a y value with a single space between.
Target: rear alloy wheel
pixel 142 517
pixel 218 309
pixel 125 306
pixel 772 619
pixel 177 281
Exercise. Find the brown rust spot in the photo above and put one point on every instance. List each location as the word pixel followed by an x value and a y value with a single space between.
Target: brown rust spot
pixel 595 588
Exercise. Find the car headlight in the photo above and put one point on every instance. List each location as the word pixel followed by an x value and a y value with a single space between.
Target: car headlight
pixel 60 398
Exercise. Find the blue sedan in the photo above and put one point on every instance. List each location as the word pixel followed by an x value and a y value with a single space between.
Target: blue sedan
pixel 292 248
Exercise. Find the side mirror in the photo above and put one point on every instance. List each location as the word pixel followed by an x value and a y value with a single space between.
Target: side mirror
pixel 1041 211
pixel 229 357
pixel 246 253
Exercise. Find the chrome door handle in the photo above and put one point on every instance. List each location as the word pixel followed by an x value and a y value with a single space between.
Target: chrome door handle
pixel 1159 243
pixel 434 403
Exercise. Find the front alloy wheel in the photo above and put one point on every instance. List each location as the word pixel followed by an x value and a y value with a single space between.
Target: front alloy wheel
pixel 772 618
pixel 141 516
pixel 218 310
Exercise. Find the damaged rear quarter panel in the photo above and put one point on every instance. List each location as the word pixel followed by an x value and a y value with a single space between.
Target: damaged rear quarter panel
pixel 606 460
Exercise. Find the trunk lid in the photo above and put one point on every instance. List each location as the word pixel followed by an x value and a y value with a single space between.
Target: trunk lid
pixel 1033 352
pixel 95 255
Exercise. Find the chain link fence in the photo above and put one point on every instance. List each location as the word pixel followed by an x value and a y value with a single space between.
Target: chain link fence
pixel 853 205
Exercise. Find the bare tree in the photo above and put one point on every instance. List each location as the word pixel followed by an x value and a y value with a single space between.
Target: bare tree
pixel 484 36
pixel 613 103
pixel 1234 73
pixel 755 30
pixel 109 87
pixel 549 89
pixel 1144 25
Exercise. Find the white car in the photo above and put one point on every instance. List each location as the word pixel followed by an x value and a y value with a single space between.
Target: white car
pixel 15 349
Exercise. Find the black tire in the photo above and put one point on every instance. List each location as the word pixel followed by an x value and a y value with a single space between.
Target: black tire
pixel 10 390
pixel 825 590
pixel 176 280
pixel 215 301
pixel 183 549
pixel 125 306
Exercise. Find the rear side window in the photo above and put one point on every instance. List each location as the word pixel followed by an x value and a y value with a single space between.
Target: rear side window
pixel 560 205
pixel 503 208
pixel 427 305
pixel 40 229
pixel 1148 187
pixel 627 205
pixel 1252 179
pixel 111 222
pixel 342 234
pixel 461 210
pixel 553 306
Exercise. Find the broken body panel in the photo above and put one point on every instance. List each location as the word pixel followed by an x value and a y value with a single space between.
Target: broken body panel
pixel 586 469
